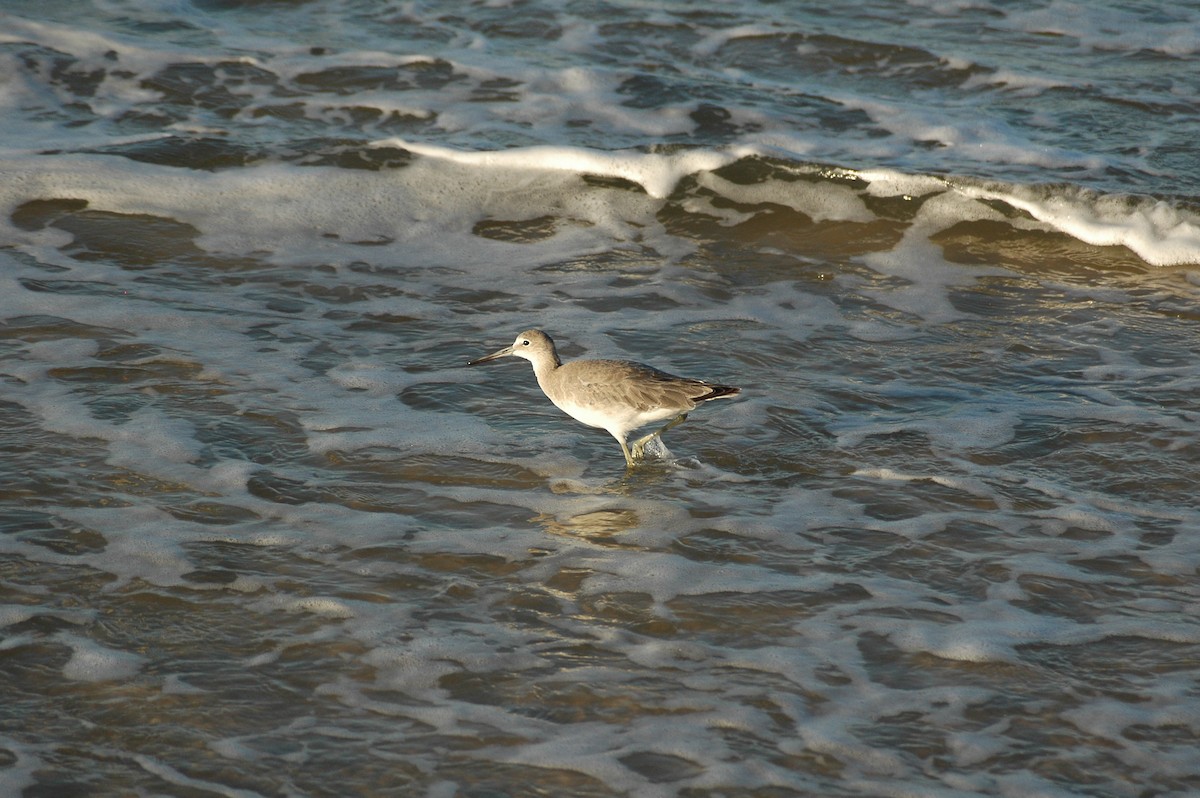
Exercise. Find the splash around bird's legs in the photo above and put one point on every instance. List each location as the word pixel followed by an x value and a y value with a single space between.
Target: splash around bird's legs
pixel 637 451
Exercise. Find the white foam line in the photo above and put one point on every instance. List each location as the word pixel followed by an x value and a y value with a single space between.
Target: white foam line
pixel 173 776
pixel 658 174
pixel 1157 232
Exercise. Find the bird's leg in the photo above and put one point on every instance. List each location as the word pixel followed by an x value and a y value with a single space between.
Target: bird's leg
pixel 629 461
pixel 639 446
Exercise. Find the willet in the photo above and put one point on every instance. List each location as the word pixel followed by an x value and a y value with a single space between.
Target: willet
pixel 616 395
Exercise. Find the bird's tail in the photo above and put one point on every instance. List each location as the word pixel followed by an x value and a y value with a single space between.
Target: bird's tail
pixel 718 392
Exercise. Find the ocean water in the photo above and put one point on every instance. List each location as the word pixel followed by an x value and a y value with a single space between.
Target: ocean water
pixel 263 534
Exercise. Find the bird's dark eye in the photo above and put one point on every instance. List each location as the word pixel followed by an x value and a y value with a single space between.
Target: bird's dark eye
pixel 524 343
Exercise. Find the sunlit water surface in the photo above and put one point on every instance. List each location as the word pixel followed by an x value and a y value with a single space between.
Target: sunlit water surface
pixel 264 534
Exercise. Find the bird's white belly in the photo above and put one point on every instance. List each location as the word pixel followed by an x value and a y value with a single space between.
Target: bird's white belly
pixel 622 419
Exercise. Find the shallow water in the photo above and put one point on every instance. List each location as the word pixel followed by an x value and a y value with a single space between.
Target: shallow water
pixel 261 532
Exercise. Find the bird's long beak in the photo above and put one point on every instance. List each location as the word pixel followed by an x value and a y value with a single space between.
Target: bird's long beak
pixel 505 352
